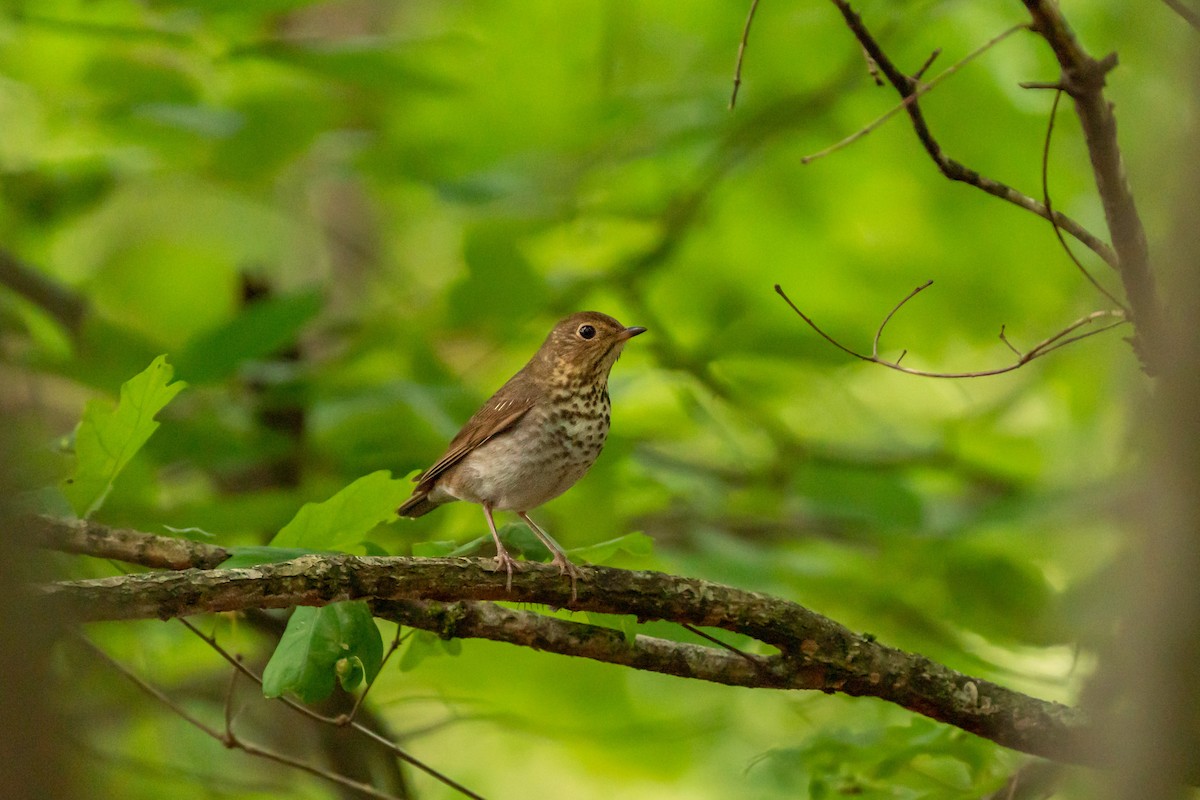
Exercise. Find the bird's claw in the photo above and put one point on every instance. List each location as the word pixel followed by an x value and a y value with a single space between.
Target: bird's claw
pixel 565 567
pixel 506 562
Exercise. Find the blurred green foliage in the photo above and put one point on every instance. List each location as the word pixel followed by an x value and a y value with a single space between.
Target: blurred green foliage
pixel 347 223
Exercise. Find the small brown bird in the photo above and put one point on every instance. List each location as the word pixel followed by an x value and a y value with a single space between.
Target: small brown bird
pixel 535 437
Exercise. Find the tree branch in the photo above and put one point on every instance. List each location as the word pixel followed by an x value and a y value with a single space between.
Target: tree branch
pixel 436 594
pixel 58 301
pixel 1083 78
pixel 908 88
pixel 227 737
pixel 1051 343
pixel 133 547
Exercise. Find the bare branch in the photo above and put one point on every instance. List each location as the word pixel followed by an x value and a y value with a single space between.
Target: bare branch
pixel 60 302
pixel 1060 339
pixel 1053 224
pixel 1083 77
pixel 933 57
pixel 955 171
pixel 892 313
pixel 339 721
pixel 346 719
pixel 1004 338
pixel 227 738
pixel 815 652
pixel 737 72
pixel 133 547
pixel 923 88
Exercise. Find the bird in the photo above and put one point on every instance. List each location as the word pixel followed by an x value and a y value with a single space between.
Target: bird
pixel 535 437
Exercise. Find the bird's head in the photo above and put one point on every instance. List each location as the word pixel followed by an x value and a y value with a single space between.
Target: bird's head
pixel 585 345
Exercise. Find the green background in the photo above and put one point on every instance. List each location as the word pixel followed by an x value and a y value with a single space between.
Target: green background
pixel 348 223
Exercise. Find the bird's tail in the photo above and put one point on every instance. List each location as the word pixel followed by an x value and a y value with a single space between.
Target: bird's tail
pixel 417 506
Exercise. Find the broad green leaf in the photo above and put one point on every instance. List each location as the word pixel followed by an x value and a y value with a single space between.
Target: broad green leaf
pixel 442 549
pixel 258 331
pixel 344 520
pixel 433 549
pixel 373 549
pixel 253 555
pixel 635 544
pixel 470 547
pixel 517 538
pixel 423 645
pixel 108 438
pixel 320 644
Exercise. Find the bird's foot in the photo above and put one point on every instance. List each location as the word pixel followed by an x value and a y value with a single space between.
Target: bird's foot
pixel 565 567
pixel 507 563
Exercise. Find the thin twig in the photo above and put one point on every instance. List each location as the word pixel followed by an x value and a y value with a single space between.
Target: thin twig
pixel 920 90
pixel 346 719
pixel 1084 79
pixel 906 86
pixel 1050 208
pixel 227 739
pixel 719 643
pixel 892 313
pixel 1004 338
pixel 1060 339
pixel 928 63
pixel 211 641
pixel 741 54
pixel 233 675
pixel 68 308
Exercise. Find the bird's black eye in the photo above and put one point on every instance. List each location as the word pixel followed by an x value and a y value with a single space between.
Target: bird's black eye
pixel 587 332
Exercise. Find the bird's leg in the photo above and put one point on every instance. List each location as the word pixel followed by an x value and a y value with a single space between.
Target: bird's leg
pixel 565 567
pixel 503 559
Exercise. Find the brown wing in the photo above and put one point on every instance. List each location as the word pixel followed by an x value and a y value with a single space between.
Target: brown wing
pixel 493 419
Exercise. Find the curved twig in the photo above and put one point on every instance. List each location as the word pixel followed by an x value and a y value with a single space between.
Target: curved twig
pixel 741 54
pixel 906 87
pixel 921 89
pixel 1083 77
pixel 1060 339
pixel 227 737
pixel 1049 207
pixel 339 721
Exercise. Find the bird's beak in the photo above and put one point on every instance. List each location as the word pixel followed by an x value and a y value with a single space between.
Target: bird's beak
pixel 629 333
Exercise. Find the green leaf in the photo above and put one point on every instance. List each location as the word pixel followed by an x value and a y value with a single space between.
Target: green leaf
pixel 108 438
pixel 635 544
pixel 373 549
pixel 262 329
pixel 469 548
pixel 500 285
pixel 344 520
pixel 517 538
pixel 338 640
pixel 423 645
pixel 449 549
pixel 242 557
pixel 433 549
pixel 627 624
